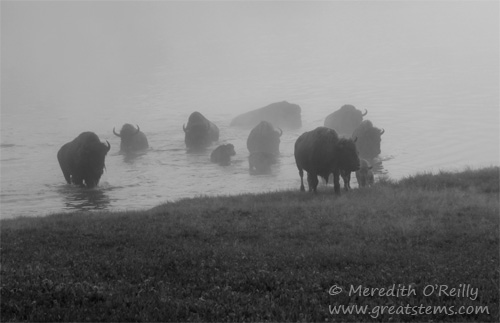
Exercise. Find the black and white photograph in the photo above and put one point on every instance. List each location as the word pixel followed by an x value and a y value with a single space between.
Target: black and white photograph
pixel 229 161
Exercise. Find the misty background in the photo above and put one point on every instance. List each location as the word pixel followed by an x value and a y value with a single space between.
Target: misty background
pixel 427 72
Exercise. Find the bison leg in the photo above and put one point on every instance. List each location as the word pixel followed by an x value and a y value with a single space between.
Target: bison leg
pixel 336 183
pixel 301 174
pixel 312 180
pixel 346 177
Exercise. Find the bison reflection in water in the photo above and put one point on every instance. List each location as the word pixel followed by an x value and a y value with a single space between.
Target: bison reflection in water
pixel 364 175
pixel 222 154
pixel 263 143
pixel 132 139
pixel 83 200
pixel 199 132
pixel 82 160
pixel 321 152
pixel 368 139
pixel 345 120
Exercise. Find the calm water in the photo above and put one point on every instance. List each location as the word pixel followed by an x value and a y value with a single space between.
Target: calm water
pixel 428 73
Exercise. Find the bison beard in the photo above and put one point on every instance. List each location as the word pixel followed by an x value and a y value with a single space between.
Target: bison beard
pixel 82 160
pixel 321 152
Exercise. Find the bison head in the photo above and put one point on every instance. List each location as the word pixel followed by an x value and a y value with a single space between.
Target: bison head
pixel 348 158
pixel 91 161
pixel 369 139
pixel 127 131
pixel 229 150
pixel 196 135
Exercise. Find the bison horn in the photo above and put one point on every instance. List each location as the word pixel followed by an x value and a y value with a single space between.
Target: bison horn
pixel 355 139
pixel 184 127
pixel 115 132
pixel 109 146
pixel 138 129
pixel 364 114
pixel 382 132
pixel 281 131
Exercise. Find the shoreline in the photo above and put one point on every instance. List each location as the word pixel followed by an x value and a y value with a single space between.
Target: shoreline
pixel 321 187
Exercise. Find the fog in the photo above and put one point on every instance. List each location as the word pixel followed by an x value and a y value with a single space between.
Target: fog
pixel 96 55
pixel 427 72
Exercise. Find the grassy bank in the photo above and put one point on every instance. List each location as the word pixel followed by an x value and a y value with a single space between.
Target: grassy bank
pixel 265 257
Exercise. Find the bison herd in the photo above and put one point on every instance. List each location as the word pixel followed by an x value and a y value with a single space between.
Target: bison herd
pixel 340 147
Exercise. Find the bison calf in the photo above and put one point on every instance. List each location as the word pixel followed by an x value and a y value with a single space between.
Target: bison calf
pixel 222 154
pixel 364 175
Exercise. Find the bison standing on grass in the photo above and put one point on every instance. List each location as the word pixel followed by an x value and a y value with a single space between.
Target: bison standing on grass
pixel 132 139
pixel 364 175
pixel 82 160
pixel 345 120
pixel 321 152
pixel 199 132
pixel 368 139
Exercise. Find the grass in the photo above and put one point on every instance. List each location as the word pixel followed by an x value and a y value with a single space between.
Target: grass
pixel 263 257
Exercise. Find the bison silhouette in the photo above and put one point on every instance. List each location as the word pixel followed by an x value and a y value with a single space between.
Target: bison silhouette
pixel 321 152
pixel 132 139
pixel 199 132
pixel 82 160
pixel 222 154
pixel 345 120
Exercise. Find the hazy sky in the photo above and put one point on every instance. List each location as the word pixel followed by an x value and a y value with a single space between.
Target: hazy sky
pixel 95 52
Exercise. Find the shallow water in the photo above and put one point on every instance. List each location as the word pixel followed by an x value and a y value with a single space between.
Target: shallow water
pixel 434 88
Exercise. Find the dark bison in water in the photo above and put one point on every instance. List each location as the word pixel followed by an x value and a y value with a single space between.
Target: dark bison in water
pixel 345 120
pixel 281 114
pixel 321 152
pixel 132 139
pixel 264 138
pixel 368 139
pixel 263 143
pixel 199 132
pixel 82 160
pixel 222 154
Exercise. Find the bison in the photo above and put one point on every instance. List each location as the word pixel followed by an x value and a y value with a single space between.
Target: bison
pixel 264 138
pixel 321 152
pixel 280 114
pixel 132 139
pixel 199 132
pixel 82 160
pixel 222 154
pixel 368 139
pixel 345 120
pixel 364 175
